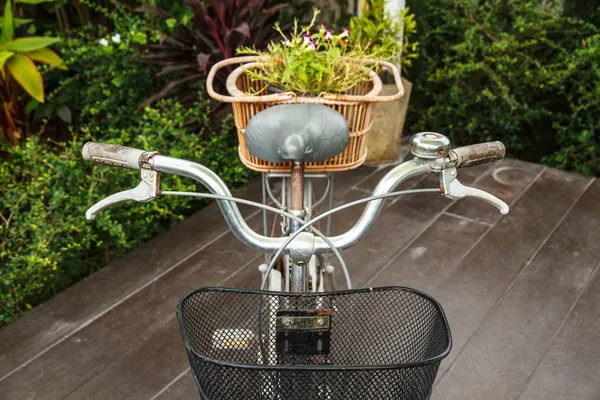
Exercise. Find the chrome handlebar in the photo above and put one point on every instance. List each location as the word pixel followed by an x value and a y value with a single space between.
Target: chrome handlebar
pixel 151 163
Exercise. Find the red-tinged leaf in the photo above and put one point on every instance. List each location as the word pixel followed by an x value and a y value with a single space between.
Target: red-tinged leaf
pixel 27 75
pixel 219 8
pixel 178 67
pixel 203 59
pixel 153 10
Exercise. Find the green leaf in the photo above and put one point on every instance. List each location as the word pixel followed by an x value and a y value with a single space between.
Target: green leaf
pixel 27 44
pixel 33 1
pixel 64 113
pixel 139 38
pixel 31 105
pixel 27 75
pixel 7 24
pixel 171 22
pixel 4 55
pixel 47 56
pixel 17 22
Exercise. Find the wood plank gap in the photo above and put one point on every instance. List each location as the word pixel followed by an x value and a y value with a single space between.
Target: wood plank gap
pixel 429 224
pixel 581 292
pixel 173 382
pixel 467 218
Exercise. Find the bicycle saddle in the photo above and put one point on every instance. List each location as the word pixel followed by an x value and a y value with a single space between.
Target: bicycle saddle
pixel 297 132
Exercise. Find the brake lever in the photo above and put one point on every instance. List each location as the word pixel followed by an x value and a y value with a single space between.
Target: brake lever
pixel 453 189
pixel 148 189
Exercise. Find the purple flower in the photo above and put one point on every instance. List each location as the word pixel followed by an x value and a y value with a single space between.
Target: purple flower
pixel 328 35
pixel 287 43
pixel 346 33
pixel 307 38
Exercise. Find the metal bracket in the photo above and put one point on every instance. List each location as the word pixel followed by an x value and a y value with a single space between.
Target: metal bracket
pixel 148 189
pixel 453 189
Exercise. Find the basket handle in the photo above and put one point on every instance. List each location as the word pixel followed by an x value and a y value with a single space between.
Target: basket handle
pixel 372 99
pixel 244 99
pixel 282 97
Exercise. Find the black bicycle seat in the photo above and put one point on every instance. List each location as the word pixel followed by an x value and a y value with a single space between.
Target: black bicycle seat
pixel 297 132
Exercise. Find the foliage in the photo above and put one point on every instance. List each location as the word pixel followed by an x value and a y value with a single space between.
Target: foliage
pixel 314 63
pixel 189 48
pixel 18 71
pixel 391 35
pixel 105 83
pixel 45 242
pixel 577 129
pixel 507 70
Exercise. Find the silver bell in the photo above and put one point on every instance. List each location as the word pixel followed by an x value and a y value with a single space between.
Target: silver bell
pixel 429 145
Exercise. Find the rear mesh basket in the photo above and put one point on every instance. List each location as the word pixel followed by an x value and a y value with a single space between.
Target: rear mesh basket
pixel 381 343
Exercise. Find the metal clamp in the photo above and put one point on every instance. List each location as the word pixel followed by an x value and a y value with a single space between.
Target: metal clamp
pixel 148 189
pixel 453 189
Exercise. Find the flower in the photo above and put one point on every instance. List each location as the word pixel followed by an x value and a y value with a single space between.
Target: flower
pixel 286 43
pixel 346 33
pixel 328 35
pixel 307 38
pixel 312 46
pixel 104 42
pixel 116 38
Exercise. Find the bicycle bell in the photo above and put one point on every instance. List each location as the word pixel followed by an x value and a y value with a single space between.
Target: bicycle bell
pixel 429 145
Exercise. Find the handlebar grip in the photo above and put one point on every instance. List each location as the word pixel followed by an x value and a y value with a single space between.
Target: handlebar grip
pixel 480 153
pixel 112 154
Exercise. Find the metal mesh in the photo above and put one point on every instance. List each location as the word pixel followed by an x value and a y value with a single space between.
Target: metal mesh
pixel 386 343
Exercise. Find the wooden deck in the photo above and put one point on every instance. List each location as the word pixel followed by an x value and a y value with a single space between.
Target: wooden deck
pixel 521 292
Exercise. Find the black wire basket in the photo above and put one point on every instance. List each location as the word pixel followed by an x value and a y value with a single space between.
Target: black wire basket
pixel 379 343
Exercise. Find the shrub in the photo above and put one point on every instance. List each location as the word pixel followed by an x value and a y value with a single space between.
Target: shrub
pixel 45 242
pixel 506 70
pixel 105 84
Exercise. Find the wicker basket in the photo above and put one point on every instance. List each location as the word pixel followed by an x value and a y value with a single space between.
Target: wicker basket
pixel 356 106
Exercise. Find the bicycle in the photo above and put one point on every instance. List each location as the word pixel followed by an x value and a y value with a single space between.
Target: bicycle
pixel 293 339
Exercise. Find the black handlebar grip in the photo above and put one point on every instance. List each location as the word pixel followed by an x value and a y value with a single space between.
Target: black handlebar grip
pixel 112 154
pixel 478 154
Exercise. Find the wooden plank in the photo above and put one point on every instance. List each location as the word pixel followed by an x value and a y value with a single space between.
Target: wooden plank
pixel 510 342
pixel 490 268
pixel 507 180
pixel 350 178
pixel 432 256
pixel 569 369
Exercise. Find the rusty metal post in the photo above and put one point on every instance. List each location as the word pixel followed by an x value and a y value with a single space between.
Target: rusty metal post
pixel 297 184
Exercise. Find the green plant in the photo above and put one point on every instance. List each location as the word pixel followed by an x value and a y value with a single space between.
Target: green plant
pixel 106 82
pixel 390 35
pixel 18 71
pixel 577 131
pixel 216 29
pixel 45 242
pixel 503 70
pixel 313 62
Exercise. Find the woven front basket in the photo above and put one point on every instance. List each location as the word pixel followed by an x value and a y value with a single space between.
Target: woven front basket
pixel 356 106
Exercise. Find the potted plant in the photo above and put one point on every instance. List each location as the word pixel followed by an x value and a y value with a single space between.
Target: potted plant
pixel 391 37
pixel 314 60
pixel 312 64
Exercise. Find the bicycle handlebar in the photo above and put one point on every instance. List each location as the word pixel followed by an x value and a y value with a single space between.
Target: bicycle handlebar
pixel 476 154
pixel 113 155
pixel 126 157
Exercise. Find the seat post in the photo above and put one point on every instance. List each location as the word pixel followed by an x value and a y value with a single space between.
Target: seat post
pixel 299 275
pixel 297 186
